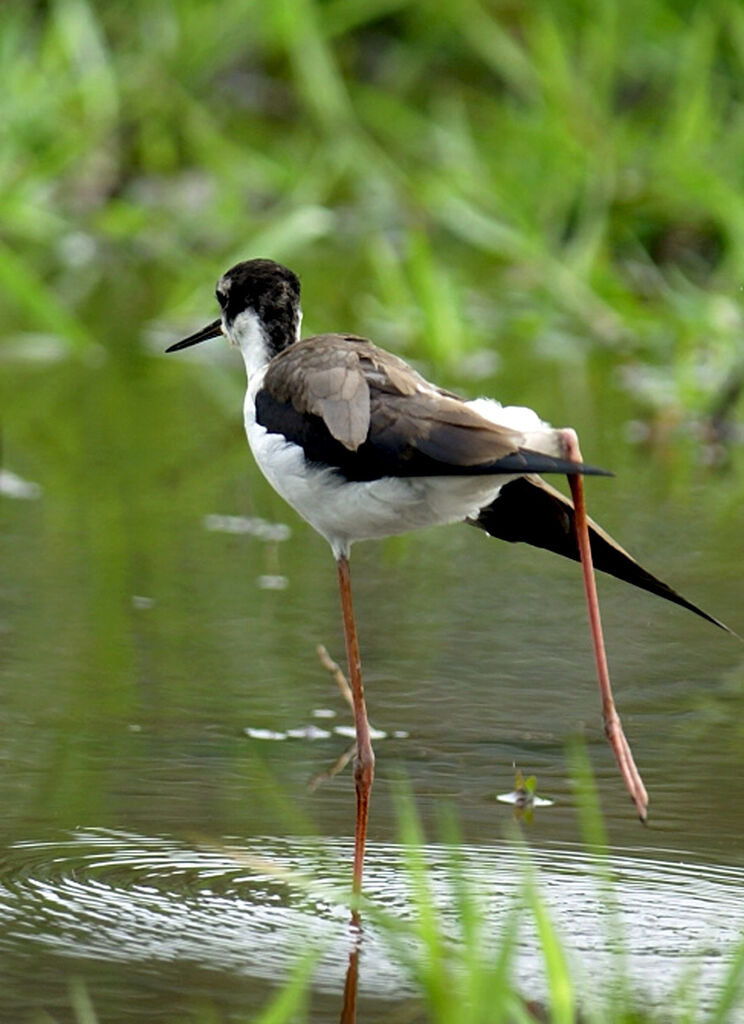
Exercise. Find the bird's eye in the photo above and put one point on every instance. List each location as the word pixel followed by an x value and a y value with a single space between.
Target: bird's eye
pixel 221 298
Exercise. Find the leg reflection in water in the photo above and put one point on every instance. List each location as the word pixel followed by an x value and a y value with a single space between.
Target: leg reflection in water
pixel 348 1006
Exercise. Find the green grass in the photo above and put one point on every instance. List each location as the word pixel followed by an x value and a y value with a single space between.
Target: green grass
pixel 459 982
pixel 561 179
pixel 463 978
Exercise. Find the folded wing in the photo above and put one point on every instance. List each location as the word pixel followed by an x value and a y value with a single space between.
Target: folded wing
pixel 368 414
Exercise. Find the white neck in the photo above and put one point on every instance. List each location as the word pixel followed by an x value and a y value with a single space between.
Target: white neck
pixel 247 332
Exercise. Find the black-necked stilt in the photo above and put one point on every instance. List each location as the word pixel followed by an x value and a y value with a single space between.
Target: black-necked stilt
pixel 362 446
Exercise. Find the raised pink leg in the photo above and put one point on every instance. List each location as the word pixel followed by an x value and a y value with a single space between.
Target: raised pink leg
pixel 364 763
pixel 612 725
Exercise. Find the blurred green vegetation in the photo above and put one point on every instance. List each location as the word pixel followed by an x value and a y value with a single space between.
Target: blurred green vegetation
pixel 544 181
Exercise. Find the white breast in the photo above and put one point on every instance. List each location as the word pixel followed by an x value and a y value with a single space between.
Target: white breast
pixel 343 511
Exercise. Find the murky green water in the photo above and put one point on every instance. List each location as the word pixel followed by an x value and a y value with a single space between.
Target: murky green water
pixel 153 671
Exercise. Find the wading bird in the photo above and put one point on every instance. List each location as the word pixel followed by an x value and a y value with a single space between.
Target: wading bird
pixel 363 447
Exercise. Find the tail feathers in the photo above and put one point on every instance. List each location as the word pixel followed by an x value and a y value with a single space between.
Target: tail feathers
pixel 532 511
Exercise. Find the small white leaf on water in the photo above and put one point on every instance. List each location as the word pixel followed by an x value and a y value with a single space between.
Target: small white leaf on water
pixel 349 731
pixel 252 525
pixel 272 582
pixel 308 732
pixel 263 734
pixel 521 798
pixel 14 486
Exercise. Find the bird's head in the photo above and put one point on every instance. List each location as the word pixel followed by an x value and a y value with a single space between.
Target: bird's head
pixel 260 310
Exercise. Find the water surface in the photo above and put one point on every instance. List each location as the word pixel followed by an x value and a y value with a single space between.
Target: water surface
pixel 163 710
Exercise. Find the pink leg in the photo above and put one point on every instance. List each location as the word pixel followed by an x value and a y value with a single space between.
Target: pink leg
pixel 364 764
pixel 612 725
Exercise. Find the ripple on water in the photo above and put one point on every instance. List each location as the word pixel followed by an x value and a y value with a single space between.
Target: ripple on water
pixel 249 908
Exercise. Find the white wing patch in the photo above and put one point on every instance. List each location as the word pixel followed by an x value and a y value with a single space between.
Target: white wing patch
pixel 538 435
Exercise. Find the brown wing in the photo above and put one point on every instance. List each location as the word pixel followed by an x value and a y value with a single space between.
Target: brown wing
pixel 532 511
pixel 352 406
pixel 429 426
pixel 363 393
pixel 440 428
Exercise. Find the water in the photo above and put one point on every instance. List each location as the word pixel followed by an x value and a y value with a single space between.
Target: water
pixel 163 710
pixel 153 908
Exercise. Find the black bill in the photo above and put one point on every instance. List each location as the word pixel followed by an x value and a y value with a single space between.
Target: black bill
pixel 213 330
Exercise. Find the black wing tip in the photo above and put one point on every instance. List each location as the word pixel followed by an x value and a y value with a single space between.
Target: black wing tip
pixel 690 607
pixel 724 627
pixel 672 595
pixel 533 512
pixel 591 470
pixel 525 460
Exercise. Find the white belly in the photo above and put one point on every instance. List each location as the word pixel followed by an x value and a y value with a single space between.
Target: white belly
pixel 343 511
